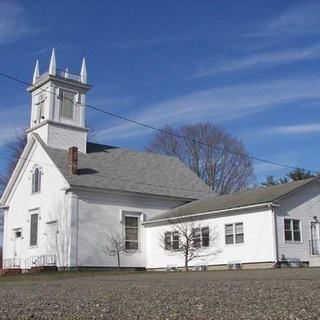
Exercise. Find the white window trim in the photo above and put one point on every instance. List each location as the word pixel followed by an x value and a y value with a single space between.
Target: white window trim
pixel 292 233
pixel 234 234
pixel 41 180
pixel 31 212
pixel 171 240
pixel 60 97
pixel 135 214
pixel 201 237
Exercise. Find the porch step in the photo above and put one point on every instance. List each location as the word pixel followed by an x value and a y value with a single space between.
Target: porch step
pixel 314 261
pixel 42 269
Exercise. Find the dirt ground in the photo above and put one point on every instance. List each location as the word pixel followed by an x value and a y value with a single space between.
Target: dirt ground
pixel 255 294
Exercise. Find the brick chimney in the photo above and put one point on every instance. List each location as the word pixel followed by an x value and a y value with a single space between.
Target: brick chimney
pixel 73 160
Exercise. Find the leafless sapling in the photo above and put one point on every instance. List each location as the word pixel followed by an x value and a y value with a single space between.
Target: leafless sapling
pixel 115 246
pixel 190 239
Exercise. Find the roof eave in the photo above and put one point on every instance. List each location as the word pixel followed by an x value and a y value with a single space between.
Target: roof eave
pixel 75 187
pixel 170 219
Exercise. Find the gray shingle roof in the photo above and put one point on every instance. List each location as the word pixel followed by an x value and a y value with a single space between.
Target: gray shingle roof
pixel 234 200
pixel 108 167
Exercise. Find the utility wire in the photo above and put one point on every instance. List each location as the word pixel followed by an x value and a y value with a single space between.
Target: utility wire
pixel 169 132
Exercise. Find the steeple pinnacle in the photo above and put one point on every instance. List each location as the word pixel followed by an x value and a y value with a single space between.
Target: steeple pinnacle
pixel 52 66
pixel 83 73
pixel 36 73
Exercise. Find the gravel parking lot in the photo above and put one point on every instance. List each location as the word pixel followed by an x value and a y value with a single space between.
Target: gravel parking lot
pixel 256 294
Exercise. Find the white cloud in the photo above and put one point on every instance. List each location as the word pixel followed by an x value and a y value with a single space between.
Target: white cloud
pixel 156 41
pixel 258 60
pixel 296 129
pixel 12 21
pixel 216 105
pixel 303 18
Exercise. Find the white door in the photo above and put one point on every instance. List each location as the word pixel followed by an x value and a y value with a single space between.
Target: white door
pixel 51 243
pixel 315 238
pixel 17 248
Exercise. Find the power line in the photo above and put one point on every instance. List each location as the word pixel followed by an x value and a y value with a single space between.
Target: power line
pixel 145 125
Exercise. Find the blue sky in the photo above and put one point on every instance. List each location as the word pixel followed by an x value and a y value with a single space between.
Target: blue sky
pixel 249 66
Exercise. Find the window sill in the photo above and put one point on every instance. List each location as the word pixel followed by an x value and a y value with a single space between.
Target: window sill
pixel 132 251
pixel 34 193
pixel 234 244
pixel 293 242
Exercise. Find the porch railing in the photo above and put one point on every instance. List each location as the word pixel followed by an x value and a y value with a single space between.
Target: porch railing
pixel 314 246
pixel 13 263
pixel 44 260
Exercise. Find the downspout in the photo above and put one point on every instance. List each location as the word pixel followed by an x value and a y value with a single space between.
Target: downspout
pixel 275 231
pixel 77 239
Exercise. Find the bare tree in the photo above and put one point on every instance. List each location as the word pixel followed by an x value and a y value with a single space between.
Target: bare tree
pixel 115 246
pixel 220 160
pixel 13 149
pixel 190 239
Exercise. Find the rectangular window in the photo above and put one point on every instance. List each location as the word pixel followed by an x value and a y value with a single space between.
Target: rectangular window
pixel 205 237
pixel 229 233
pixel 239 232
pixel 196 238
pixel 234 233
pixel 67 105
pixel 40 107
pixel 167 241
pixel 175 240
pixel 34 229
pixel 171 240
pixel 292 230
pixel 201 237
pixel 131 233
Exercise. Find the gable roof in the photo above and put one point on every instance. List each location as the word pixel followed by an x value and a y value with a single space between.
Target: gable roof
pixel 15 174
pixel 113 168
pixel 235 200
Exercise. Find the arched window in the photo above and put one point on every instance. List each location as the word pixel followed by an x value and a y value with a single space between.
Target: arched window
pixel 36 180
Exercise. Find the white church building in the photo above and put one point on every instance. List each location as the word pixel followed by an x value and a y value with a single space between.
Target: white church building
pixel 67 195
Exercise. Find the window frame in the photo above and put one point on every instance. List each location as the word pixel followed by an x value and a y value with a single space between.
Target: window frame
pixel 32 244
pixel 291 230
pixel 36 183
pixel 234 234
pixel 198 235
pixel 136 215
pixel 174 239
pixel 202 237
pixel 61 105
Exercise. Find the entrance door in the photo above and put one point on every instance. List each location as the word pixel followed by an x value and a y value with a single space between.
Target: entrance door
pixel 315 239
pixel 17 248
pixel 51 243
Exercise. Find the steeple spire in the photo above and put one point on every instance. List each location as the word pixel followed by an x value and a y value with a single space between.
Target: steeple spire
pixel 52 66
pixel 83 73
pixel 36 73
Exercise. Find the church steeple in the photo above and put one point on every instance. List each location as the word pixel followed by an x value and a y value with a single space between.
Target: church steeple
pixel 36 73
pixel 58 106
pixel 83 72
pixel 52 65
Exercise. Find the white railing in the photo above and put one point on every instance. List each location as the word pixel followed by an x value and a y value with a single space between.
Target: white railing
pixel 44 260
pixel 13 263
pixel 68 75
